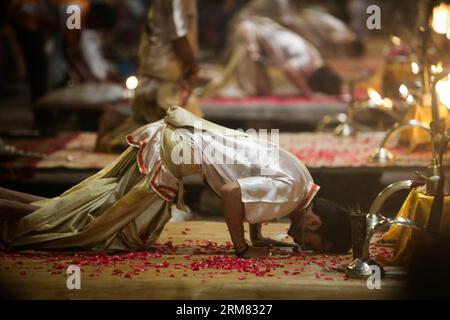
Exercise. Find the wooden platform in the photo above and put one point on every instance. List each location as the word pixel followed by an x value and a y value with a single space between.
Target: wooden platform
pixel 71 156
pixel 273 109
pixel 197 263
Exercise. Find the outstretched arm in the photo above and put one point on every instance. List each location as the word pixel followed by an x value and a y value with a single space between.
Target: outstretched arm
pixel 259 241
pixel 234 217
pixel 298 80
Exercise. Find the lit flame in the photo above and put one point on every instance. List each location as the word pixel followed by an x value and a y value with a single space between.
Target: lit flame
pixel 132 83
pixel 441 19
pixel 410 99
pixel 415 68
pixel 387 103
pixel 443 91
pixel 375 97
pixel 436 69
pixel 377 100
pixel 396 41
pixel 404 92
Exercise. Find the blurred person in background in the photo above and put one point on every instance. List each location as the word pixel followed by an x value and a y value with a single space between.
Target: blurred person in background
pixel 34 22
pixel 263 43
pixel 167 70
pixel 52 52
pixel 330 35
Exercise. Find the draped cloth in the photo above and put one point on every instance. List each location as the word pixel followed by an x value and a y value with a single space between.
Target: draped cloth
pixel 416 207
pixel 273 182
pixel 119 208
pixel 126 205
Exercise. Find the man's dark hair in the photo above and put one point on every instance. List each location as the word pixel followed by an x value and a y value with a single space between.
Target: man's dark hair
pixel 325 80
pixel 335 227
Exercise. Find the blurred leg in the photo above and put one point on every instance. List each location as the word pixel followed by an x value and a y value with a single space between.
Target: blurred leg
pixel 32 45
pixel 16 196
pixel 11 210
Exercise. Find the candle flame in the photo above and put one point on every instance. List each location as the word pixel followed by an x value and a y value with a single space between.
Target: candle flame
pixel 443 91
pixel 415 68
pixel 387 103
pixel 396 41
pixel 410 99
pixel 132 82
pixel 404 92
pixel 441 19
pixel 436 69
pixel 374 96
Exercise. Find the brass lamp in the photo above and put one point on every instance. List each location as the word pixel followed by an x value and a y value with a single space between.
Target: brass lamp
pixel 382 154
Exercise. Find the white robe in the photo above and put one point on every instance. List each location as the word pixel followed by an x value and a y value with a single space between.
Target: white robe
pixel 273 182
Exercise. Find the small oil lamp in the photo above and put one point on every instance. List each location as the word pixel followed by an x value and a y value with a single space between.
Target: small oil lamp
pixel 435 86
pixel 440 21
pixel 131 84
pixel 347 121
pixel 443 91
pixel 415 69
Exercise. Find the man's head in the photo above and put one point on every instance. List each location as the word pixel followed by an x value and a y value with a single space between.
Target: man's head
pixel 323 227
pixel 325 80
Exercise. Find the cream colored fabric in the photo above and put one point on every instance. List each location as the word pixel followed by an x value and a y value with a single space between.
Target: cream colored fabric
pixel 117 208
pixel 167 20
pixel 280 46
pixel 126 205
pixel 160 70
pixel 273 181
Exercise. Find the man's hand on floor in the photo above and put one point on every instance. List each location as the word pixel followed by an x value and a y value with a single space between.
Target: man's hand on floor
pixel 267 242
pixel 258 252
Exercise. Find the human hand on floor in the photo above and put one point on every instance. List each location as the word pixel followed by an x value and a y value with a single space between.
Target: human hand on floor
pixel 259 252
pixel 267 242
